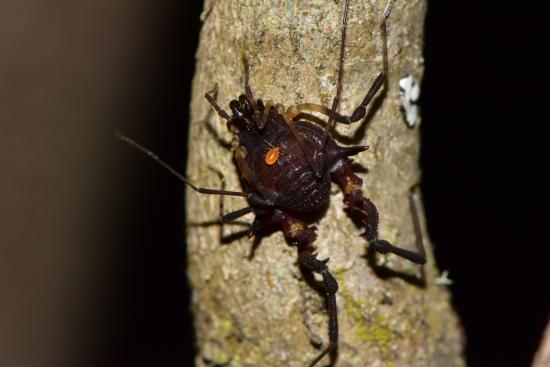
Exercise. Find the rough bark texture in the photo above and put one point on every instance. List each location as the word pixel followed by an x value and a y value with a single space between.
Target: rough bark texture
pixel 260 311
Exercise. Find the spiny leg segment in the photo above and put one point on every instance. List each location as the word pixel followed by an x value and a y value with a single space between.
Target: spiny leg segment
pixel 343 175
pixel 303 237
pixel 351 185
pixel 310 262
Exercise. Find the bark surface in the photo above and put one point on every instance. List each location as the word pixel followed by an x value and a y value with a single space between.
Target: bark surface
pixel 259 310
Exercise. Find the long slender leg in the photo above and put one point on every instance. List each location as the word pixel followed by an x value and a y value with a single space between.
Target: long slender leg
pixel 380 80
pixel 254 105
pixel 206 121
pixel 310 262
pixel 221 112
pixel 247 89
pixel 336 101
pixel 383 28
pixel 231 216
pixel 265 115
pixel 416 223
pixel 240 156
pixel 358 113
pixel 378 83
pixel 182 178
pixel 353 197
pixel 303 236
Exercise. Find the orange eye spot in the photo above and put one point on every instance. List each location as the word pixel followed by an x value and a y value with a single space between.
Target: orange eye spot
pixel 272 156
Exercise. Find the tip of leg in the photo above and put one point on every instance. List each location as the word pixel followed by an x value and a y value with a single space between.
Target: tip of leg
pixel 330 348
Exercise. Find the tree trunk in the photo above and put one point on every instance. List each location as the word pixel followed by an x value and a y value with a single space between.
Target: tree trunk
pixel 259 310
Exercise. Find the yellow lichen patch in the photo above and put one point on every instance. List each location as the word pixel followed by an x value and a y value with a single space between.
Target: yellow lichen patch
pixel 367 328
pixel 225 327
pixel 215 349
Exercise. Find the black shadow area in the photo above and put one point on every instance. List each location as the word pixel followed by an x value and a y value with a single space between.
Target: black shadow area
pixel 150 323
pixel 482 149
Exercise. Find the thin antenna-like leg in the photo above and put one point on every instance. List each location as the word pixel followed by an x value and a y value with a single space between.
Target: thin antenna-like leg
pixel 221 112
pixel 182 178
pixel 380 80
pixel 336 100
pixel 231 216
pixel 221 176
pixel 206 121
pixel 416 224
pixel 385 15
pixel 265 115
pixel 357 114
pixel 247 88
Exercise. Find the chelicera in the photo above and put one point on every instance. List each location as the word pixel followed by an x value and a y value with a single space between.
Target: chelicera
pixel 287 166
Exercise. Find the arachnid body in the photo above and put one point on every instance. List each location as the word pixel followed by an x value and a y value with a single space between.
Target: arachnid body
pixel 287 165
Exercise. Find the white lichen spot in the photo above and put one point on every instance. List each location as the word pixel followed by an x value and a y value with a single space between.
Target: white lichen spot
pixel 410 92
pixel 443 279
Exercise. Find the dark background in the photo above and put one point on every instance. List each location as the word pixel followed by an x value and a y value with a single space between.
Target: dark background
pixel 482 100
